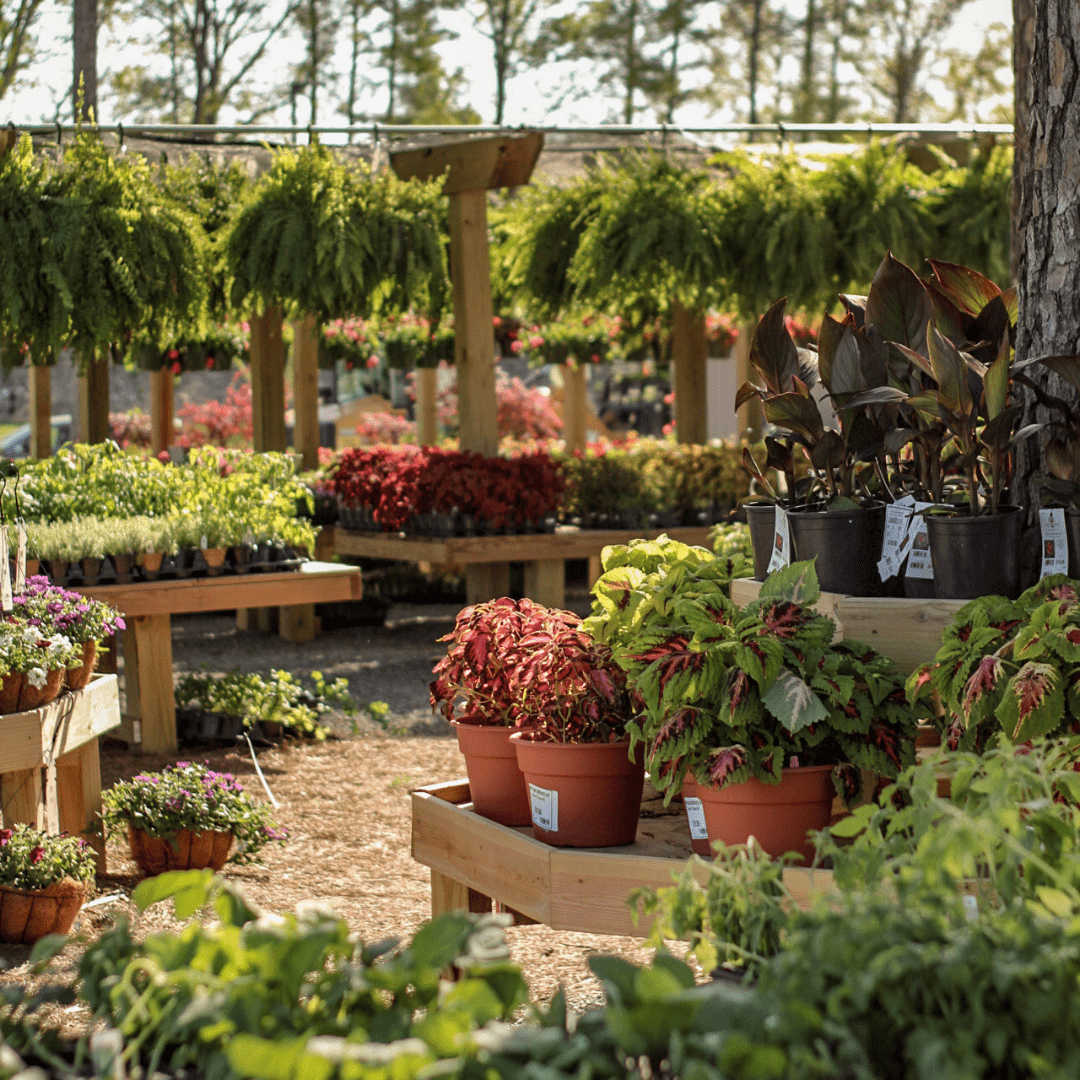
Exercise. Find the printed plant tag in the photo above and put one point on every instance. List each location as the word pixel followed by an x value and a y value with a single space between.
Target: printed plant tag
pixel 20 558
pixel 6 602
pixel 919 563
pixel 695 816
pixel 781 553
pixel 1055 543
pixel 545 808
pixel 202 543
pixel 897 516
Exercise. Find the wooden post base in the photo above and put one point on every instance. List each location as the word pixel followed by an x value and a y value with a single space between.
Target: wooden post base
pixel 545 582
pixel 149 684
pixel 78 793
pixel 22 798
pixel 297 623
pixel 450 895
pixel 486 581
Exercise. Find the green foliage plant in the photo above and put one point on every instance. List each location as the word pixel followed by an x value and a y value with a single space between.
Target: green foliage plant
pixel 32 859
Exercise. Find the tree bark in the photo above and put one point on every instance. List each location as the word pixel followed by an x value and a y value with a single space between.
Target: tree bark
pixel 1047 205
pixel 1023 44
pixel 84 26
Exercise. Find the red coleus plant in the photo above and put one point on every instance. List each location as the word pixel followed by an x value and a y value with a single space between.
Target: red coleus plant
pixel 519 664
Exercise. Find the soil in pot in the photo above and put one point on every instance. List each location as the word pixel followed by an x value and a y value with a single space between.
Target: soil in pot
pixel 846 545
pixel 497 785
pixel 777 816
pixel 77 678
pixel 761 519
pixel 10 691
pixel 185 851
pixel 582 794
pixel 27 915
pixel 215 560
pixel 695 818
pixel 150 563
pixel 975 556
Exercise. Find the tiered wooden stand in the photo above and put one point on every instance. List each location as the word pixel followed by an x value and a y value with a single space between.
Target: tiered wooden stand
pixel 544 554
pixel 150 721
pixel 61 742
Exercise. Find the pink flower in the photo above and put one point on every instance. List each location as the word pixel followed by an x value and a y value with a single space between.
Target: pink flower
pixel 372 361
pixel 173 354
pixel 176 369
pixel 37 854
pixel 516 347
pixel 5 836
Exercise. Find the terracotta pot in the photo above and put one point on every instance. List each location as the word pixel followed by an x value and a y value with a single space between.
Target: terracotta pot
pixel 590 793
pixel 77 678
pixel 495 781
pixel 33 567
pixel 215 559
pixel 26 915
pixel 10 689
pixel 699 844
pixel 33 697
pixel 184 851
pixel 241 558
pixel 777 816
pixel 150 563
pixel 123 565
pixel 58 571
pixel 91 570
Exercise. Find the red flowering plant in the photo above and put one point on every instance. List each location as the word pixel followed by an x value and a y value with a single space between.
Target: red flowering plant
pixel 728 694
pixel 1007 669
pixel 513 663
pixel 31 859
pixel 217 423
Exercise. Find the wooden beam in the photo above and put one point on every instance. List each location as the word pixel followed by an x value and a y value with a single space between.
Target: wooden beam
pixel 749 416
pixel 306 390
pixel 473 164
pixel 162 409
pixel 39 382
pixel 94 399
pixel 427 406
pixel 575 406
pixel 268 381
pixel 689 350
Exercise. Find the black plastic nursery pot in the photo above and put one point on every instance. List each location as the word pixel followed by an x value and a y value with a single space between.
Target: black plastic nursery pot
pixel 846 545
pixel 761 519
pixel 975 556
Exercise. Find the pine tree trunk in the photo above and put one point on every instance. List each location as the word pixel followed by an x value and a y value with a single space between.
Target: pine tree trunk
pixel 752 60
pixel 84 26
pixel 1047 223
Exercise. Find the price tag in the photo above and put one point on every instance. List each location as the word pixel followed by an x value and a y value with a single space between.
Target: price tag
pixel 695 816
pixel 6 602
pixel 919 563
pixel 202 543
pixel 897 517
pixel 545 808
pixel 781 552
pixel 1055 543
pixel 20 558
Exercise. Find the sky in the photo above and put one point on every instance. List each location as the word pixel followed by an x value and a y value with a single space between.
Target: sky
pixel 531 97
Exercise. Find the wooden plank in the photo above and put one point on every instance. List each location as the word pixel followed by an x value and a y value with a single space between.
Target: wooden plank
pixel 39 383
pixel 296 623
pixel 313 582
pixel 472 164
pixel 427 406
pixel 596 569
pixel 505 864
pixel 690 353
pixel 451 791
pixel 907 631
pixel 566 542
pixel 306 390
pixel 78 777
pixel 94 399
pixel 22 798
pixel 132 687
pixel 545 582
pixel 486 581
pixel 162 410
pixel 268 381
pixel 157 707
pixel 575 406
pixel 447 895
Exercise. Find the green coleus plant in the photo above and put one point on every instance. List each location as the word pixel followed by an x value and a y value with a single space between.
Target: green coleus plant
pixel 1007 669
pixel 728 694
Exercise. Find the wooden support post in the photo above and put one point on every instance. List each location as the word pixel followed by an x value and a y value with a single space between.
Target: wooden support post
pixel 162 410
pixel 689 351
pixel 486 581
pixel 94 399
pixel 39 380
pixel 22 798
pixel 306 391
pixel 297 623
pixel 750 414
pixel 427 406
pixel 131 717
pixel 268 381
pixel 153 662
pixel 545 582
pixel 575 406
pixel 596 568
pixel 450 895
pixel 78 781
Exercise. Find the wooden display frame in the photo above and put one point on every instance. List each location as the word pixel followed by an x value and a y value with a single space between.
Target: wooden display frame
pixel 474 861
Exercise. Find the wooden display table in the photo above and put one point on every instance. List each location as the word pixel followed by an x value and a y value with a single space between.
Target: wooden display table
pixel 906 631
pixel 544 554
pixel 62 739
pixel 474 861
pixel 151 713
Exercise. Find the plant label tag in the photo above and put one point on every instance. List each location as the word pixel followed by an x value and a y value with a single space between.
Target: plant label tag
pixel 6 602
pixel 971 907
pixel 781 552
pixel 1055 543
pixel 919 563
pixel 202 543
pixel 545 808
pixel 20 557
pixel 897 517
pixel 695 816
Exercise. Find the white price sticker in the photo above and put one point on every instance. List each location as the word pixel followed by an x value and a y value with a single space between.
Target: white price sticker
pixel 695 816
pixel 919 563
pixel 1055 543
pixel 781 551
pixel 545 808
pixel 897 516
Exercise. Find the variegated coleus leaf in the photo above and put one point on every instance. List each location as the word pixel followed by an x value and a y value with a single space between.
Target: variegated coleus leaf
pixel 984 690
pixel 797 583
pixel 761 659
pixel 793 703
pixel 1033 702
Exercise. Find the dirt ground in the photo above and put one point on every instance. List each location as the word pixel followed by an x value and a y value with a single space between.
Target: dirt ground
pixel 345 803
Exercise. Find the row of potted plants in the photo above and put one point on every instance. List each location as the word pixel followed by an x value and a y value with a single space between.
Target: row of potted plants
pixel 913 395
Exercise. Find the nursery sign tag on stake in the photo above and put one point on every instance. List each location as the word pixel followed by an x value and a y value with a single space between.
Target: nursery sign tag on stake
pixel 5 574
pixel 695 816
pixel 897 516
pixel 1055 544
pixel 919 564
pixel 781 553
pixel 545 808
pixel 20 558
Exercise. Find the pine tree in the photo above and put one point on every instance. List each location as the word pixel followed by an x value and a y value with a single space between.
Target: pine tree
pixel 318 21
pixel 508 25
